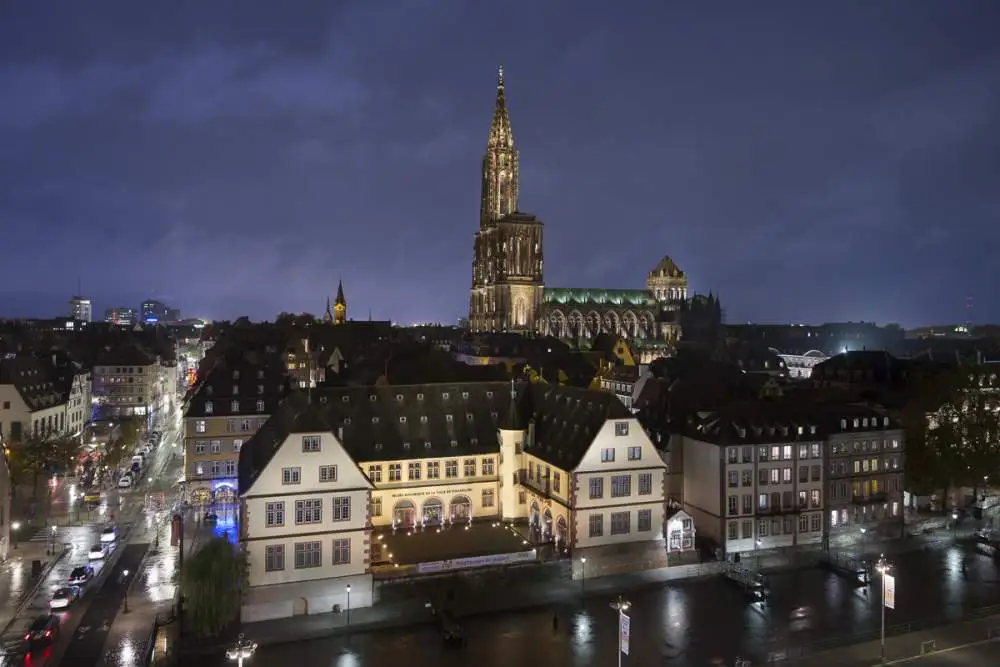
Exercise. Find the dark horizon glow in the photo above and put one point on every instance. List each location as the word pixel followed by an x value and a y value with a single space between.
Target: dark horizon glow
pixel 808 162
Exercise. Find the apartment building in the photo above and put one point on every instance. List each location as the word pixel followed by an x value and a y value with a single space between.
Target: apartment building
pixel 31 403
pixel 866 456
pixel 224 410
pixel 128 381
pixel 754 476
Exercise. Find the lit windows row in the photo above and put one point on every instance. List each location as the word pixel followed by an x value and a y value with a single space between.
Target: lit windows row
pixel 232 425
pixel 214 446
pixel 415 470
pixel 620 523
pixel 306 554
pixel 215 468
pixel 631 453
pixel 621 486
pixel 293 475
pixel 234 406
pixel 745 454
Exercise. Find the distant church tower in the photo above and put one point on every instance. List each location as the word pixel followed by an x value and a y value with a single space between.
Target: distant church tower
pixel 507 282
pixel 340 305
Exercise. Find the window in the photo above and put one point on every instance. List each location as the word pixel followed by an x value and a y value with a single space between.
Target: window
pixel 342 508
pixel 310 443
pixel 621 486
pixel 747 478
pixel 274 558
pixel 434 470
pixel 488 498
pixel 487 466
pixel 260 406
pixel 762 476
pixel 375 473
pixel 237 446
pixel 786 475
pixel 732 530
pixel 209 408
pixel 308 511
pixel 803 474
pixel 815 473
pixel 621 428
pixel 556 481
pixel 342 551
pixel 199 447
pixel 775 475
pixel 274 514
pixel 644 521
pixel 635 453
pixel 621 523
pixel 469 467
pixel 733 505
pixel 234 406
pixel 803 523
pixel 748 503
pixel 451 468
pixel 803 451
pixel 413 471
pixel 395 472
pixel 747 529
pixel 596 488
pixel 216 446
pixel 786 453
pixel 816 450
pixel 814 522
pixel 733 454
pixel 327 474
pixel 200 426
pixel 734 479
pixel 645 483
pixel 608 455
pixel 596 525
pixel 814 499
pixel 762 454
pixel 308 554
pixel 291 475
pixel 376 506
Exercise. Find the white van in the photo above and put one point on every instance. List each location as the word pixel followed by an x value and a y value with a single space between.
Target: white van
pixel 140 459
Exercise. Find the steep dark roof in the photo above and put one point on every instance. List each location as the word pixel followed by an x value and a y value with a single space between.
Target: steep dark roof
pixel 33 380
pixel 245 378
pixel 566 421
pixel 124 354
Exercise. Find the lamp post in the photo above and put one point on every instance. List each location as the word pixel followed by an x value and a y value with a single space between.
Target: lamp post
pixel 954 524
pixel 756 543
pixel 125 577
pixel 52 540
pixel 14 527
pixel 621 606
pixel 883 569
pixel 583 576
pixel 242 650
pixel 348 604
pixel 863 531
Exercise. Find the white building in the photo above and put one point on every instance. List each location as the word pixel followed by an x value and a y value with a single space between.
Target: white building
pixel 754 476
pixel 80 308
pixel 31 403
pixel 5 520
pixel 128 381
pixel 305 525
pixel 571 463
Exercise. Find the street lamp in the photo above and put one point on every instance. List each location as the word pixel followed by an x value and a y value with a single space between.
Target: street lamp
pixel 125 578
pixel 621 606
pixel 14 527
pixel 52 533
pixel 348 604
pixel 883 569
pixel 954 524
pixel 242 650
pixel 583 575
pixel 756 543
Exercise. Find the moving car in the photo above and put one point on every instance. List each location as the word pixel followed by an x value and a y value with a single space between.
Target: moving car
pixel 64 597
pixel 109 534
pixel 81 575
pixel 42 632
pixel 125 481
pixel 97 552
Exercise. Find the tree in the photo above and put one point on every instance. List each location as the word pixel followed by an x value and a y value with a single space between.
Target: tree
pixel 35 457
pixel 212 586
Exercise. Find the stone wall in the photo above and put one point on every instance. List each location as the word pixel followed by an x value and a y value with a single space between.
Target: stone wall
pixel 619 558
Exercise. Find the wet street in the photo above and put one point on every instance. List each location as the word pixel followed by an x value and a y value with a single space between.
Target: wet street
pixel 684 624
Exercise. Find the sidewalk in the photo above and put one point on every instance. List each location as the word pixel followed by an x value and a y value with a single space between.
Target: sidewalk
pixel 15 577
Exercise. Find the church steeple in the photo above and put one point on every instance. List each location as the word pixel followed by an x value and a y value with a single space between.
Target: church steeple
pixel 500 164
pixel 340 305
pixel 328 316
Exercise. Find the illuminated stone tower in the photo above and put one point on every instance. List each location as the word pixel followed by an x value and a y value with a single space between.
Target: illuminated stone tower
pixel 507 280
pixel 340 305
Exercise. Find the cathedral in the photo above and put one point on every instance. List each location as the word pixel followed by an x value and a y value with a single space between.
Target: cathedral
pixel 339 313
pixel 508 288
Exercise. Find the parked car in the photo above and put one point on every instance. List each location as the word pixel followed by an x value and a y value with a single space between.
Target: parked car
pixel 97 552
pixel 125 481
pixel 109 534
pixel 42 632
pixel 81 575
pixel 64 597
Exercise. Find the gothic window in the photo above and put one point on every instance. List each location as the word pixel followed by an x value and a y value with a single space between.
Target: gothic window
pixel 503 183
pixel 520 312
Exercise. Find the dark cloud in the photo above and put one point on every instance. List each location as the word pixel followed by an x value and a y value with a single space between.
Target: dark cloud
pixel 807 162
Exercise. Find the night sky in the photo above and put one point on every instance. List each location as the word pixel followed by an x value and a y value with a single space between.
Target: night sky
pixel 808 161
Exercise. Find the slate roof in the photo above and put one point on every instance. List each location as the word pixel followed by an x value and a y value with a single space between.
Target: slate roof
pixel 33 379
pixel 666 268
pixel 244 377
pixel 576 296
pixel 393 422
pixel 124 354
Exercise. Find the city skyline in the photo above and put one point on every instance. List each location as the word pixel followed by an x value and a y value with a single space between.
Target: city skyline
pixel 244 166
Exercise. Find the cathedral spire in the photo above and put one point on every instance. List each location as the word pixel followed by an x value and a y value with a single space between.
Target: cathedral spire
pixel 500 133
pixel 340 305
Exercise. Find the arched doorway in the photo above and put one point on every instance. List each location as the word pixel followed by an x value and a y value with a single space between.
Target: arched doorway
pixel 201 497
pixel 403 514
pixel 547 523
pixel 433 511
pixel 225 494
pixel 561 531
pixel 461 508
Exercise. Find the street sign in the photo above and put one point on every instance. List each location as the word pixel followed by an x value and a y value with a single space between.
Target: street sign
pixel 624 630
pixel 889 588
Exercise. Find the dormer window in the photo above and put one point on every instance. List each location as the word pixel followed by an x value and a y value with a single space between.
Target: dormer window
pixel 855 423
pixel 473 441
pixel 234 406
pixel 236 375
pixel 423 419
pixel 445 396
pixel 427 444
pixel 345 399
pixel 208 390
pixel 374 420
pixel 465 394
pixel 454 444
pixel 372 398
pixel 260 389
pixel 449 418
pixel 420 396
pixel 260 406
pixel 402 420
pixel 378 446
pixel 885 422
pixel 800 430
pixel 812 430
pixel 489 394
pixel 843 423
pixel 260 375
pixel 493 414
pixel 399 398
pixel 209 408
pixel 406 446
pixel 322 399
pixel 864 422
pixel 236 390
pixel 468 416
pixel 347 421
